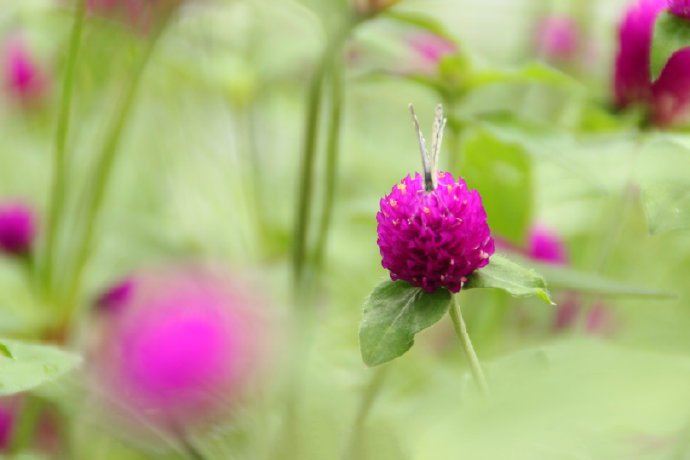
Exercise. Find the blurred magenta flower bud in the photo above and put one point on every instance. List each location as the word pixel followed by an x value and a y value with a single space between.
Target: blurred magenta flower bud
pixel 24 81
pixel 117 296
pixel 17 228
pixel 431 48
pixel 557 38
pixel 600 320
pixel 7 422
pixel 567 312
pixel 667 100
pixel 545 245
pixel 182 346
pixel 138 14
pixel 436 238
pixel 680 8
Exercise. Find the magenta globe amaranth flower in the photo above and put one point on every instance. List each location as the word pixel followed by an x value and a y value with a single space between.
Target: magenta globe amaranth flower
pixel 17 228
pixel 432 230
pixel 666 99
pixel 680 8
pixel 183 347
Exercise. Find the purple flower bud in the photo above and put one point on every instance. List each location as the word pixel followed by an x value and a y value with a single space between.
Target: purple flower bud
pixel 24 81
pixel 116 297
pixel 433 239
pixel 186 341
pixel 667 99
pixel 17 228
pixel 680 8
pixel 546 246
pixel 557 38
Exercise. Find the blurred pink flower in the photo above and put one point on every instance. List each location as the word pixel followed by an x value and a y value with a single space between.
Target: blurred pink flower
pixel 7 419
pixel 17 228
pixel 567 312
pixel 184 345
pixel 117 296
pixel 431 48
pixel 24 80
pixel 545 245
pixel 557 38
pixel 138 14
pixel 600 320
pixel 667 99
pixel 680 7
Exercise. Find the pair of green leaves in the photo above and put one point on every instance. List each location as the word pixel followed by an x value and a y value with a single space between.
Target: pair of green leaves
pixel 395 311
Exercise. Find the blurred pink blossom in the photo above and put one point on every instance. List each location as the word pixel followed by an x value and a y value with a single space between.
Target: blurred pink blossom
pixel 545 245
pixel 24 80
pixel 557 38
pixel 183 345
pixel 431 48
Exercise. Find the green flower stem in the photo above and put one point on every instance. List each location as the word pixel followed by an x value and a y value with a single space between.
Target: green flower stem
pixel 101 176
pixel 25 428
pixel 353 449
pixel 332 153
pixel 461 332
pixel 59 180
pixel 331 52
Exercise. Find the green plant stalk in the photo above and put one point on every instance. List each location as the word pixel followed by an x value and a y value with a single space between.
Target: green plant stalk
pixel 466 343
pixel 306 174
pixel 25 428
pixel 332 154
pixel 100 179
pixel 59 179
pixel 353 449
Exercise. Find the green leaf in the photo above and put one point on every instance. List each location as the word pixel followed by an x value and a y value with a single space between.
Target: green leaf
pixel 502 173
pixel 30 365
pixel 508 276
pixel 531 73
pixel 572 280
pixel 671 33
pixel 393 314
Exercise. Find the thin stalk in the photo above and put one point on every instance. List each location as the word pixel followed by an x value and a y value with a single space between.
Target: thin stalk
pixel 466 343
pixel 25 428
pixel 353 449
pixel 306 174
pixel 102 174
pixel 59 180
pixel 332 154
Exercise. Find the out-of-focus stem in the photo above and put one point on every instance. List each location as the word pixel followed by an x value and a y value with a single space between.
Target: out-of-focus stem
pixel 332 154
pixel 59 180
pixel 461 332
pixel 306 176
pixel 25 428
pixel 371 391
pixel 102 175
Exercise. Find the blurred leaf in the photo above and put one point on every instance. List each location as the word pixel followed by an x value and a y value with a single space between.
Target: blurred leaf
pixel 567 279
pixel 420 21
pixel 508 276
pixel 502 173
pixel 393 313
pixel 5 351
pixel 31 365
pixel 671 33
pixel 531 73
pixel 667 207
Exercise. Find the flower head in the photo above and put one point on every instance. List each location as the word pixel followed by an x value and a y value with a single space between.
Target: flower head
pixel 546 246
pixel 557 38
pixel 117 296
pixel 183 341
pixel 666 99
pixel 680 8
pixel 432 230
pixel 17 228
pixel 24 81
